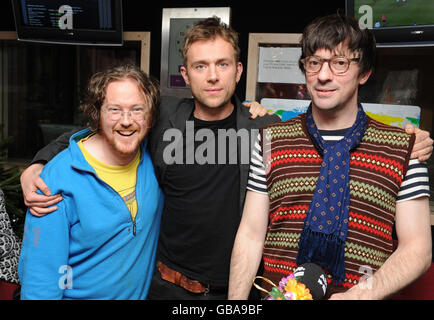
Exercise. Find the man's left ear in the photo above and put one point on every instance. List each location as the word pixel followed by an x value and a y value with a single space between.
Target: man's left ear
pixel 364 77
pixel 184 74
pixel 239 71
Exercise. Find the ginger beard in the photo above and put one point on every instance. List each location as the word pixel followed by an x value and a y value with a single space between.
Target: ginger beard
pixel 123 137
pixel 125 141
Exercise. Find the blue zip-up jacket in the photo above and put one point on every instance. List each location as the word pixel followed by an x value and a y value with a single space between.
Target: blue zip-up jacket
pixel 90 248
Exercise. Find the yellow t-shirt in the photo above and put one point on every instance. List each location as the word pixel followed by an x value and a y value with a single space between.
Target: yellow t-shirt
pixel 121 178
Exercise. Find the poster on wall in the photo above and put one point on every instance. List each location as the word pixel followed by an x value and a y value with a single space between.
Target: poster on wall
pixel 176 22
pixel 395 115
pixel 279 65
pixel 178 28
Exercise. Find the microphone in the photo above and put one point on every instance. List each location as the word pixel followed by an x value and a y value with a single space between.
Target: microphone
pixel 308 282
pixel 314 278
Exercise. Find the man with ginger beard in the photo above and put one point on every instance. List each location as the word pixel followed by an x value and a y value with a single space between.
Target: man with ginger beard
pixel 100 242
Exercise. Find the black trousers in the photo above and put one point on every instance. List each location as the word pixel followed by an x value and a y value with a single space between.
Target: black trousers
pixel 164 290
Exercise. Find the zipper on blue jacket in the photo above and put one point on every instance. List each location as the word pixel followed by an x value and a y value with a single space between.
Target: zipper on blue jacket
pixel 116 193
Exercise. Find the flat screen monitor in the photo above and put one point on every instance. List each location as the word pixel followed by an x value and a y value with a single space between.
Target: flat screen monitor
pixel 83 22
pixel 396 22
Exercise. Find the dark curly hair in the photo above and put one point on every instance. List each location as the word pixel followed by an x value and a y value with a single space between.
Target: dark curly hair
pixel 98 83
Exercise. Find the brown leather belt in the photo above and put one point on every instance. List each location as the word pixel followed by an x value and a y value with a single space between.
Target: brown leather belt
pixel 179 279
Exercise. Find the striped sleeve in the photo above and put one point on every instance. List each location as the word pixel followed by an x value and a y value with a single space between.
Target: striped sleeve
pixel 416 182
pixel 257 180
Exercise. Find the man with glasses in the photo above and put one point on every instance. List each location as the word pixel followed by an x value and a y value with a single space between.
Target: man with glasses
pixel 100 243
pixel 328 186
pixel 337 64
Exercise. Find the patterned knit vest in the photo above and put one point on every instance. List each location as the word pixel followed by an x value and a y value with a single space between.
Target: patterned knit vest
pixel 377 168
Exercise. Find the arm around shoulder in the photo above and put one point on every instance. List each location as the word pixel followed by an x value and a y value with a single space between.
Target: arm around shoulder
pixel 54 147
pixel 31 182
pixel 270 119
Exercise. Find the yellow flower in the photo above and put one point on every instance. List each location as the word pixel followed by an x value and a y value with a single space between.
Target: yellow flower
pixel 299 289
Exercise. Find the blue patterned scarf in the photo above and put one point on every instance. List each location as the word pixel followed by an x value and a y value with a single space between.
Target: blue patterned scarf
pixel 325 228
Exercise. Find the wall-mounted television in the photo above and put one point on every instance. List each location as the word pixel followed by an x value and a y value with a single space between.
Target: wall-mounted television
pixel 80 22
pixel 396 22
